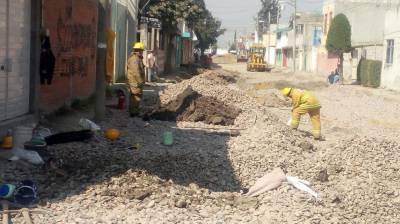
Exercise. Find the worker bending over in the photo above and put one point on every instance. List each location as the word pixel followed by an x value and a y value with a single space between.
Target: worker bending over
pixel 304 102
pixel 135 78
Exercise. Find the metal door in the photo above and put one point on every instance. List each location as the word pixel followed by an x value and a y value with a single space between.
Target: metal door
pixel 14 58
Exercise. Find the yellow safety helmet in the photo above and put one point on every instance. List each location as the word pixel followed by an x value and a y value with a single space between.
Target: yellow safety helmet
pixel 286 91
pixel 138 46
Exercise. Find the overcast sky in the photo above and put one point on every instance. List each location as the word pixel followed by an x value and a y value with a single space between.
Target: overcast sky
pixel 239 15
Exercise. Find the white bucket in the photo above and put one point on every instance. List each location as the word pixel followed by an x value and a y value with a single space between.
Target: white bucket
pixel 21 135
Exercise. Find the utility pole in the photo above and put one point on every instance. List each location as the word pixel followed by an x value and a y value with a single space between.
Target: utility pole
pixel 269 35
pixel 294 39
pixel 100 102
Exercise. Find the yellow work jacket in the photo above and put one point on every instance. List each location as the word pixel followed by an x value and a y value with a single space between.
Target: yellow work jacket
pixel 304 99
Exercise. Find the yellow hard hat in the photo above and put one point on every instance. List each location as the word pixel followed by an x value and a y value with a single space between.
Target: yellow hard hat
pixel 286 91
pixel 138 46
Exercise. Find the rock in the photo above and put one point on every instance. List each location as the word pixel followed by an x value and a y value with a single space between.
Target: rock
pixel 306 146
pixel 142 195
pixel 323 176
pixel 181 204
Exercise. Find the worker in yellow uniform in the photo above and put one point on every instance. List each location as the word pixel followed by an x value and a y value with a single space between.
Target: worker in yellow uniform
pixel 304 102
pixel 135 78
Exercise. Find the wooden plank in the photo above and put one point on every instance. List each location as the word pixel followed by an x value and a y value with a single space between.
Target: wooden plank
pixel 6 216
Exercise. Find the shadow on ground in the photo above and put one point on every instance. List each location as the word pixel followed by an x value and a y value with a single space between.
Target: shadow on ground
pixel 196 156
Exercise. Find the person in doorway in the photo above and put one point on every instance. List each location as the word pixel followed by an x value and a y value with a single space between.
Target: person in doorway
pixel 151 65
pixel 304 102
pixel 135 78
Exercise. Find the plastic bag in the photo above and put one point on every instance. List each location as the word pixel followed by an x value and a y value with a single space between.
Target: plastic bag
pixel 89 125
pixel 301 185
pixel 289 123
pixel 268 182
pixel 27 155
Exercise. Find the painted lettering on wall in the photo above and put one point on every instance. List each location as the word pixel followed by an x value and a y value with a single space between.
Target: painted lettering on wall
pixel 76 46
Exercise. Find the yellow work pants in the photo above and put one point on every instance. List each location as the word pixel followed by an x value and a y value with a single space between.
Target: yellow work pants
pixel 136 97
pixel 314 116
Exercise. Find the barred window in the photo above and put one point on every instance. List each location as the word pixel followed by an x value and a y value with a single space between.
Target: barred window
pixel 389 51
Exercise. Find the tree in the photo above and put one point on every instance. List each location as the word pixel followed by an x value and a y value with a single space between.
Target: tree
pixel 194 12
pixel 268 13
pixel 339 38
pixel 207 30
pixel 171 12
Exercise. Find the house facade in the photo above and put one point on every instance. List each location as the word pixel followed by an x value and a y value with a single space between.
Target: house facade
pixel 19 53
pixel 308 39
pixel 72 30
pixel 284 55
pixel 269 42
pixel 366 18
pixel 390 76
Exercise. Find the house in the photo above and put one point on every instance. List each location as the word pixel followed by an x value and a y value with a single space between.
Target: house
pixel 19 53
pixel 72 29
pixel 366 18
pixel 124 23
pixel 284 47
pixel 269 42
pixel 390 76
pixel 308 39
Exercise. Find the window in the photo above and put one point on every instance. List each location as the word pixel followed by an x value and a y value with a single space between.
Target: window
pixel 389 51
pixel 300 29
pixel 325 23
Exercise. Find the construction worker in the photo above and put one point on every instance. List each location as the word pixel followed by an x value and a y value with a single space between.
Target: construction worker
pixel 135 77
pixel 304 102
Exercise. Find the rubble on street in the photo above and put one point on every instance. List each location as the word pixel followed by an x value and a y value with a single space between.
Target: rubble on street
pixel 199 178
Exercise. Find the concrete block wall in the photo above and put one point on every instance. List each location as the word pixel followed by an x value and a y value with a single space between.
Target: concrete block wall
pixel 73 35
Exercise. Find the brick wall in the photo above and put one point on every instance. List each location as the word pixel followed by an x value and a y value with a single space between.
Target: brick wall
pixel 73 27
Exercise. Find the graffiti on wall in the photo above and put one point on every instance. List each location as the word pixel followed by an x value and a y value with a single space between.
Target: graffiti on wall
pixel 76 45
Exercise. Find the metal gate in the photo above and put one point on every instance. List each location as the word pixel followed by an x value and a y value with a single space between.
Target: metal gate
pixel 14 58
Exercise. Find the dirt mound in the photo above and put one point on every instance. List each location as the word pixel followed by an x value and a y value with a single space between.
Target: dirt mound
pixel 210 111
pixel 193 107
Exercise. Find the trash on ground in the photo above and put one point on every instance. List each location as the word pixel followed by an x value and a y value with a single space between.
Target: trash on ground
pixel 301 185
pixel 28 155
pixel 7 142
pixel 89 125
pixel 67 137
pixel 268 182
pixel 167 138
pixel 112 134
pixel 7 191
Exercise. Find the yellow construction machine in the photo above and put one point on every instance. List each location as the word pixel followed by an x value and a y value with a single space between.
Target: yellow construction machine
pixel 256 60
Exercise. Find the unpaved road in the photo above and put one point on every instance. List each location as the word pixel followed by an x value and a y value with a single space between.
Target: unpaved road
pixel 347 110
pixel 136 179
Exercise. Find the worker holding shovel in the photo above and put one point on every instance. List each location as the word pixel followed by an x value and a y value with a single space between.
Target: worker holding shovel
pixel 304 102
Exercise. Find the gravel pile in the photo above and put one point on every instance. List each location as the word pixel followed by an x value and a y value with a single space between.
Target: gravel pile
pixel 198 179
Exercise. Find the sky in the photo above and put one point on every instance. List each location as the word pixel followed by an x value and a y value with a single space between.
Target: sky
pixel 239 15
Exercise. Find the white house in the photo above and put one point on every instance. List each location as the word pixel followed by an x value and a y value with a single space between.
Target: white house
pixel 366 18
pixel 390 76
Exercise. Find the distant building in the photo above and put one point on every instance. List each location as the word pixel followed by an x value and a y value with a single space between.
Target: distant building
pixel 366 18
pixel 269 42
pixel 284 48
pixel 308 39
pixel 391 50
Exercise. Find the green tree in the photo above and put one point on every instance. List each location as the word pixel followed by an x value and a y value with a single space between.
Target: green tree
pixel 339 38
pixel 194 12
pixel 268 13
pixel 207 30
